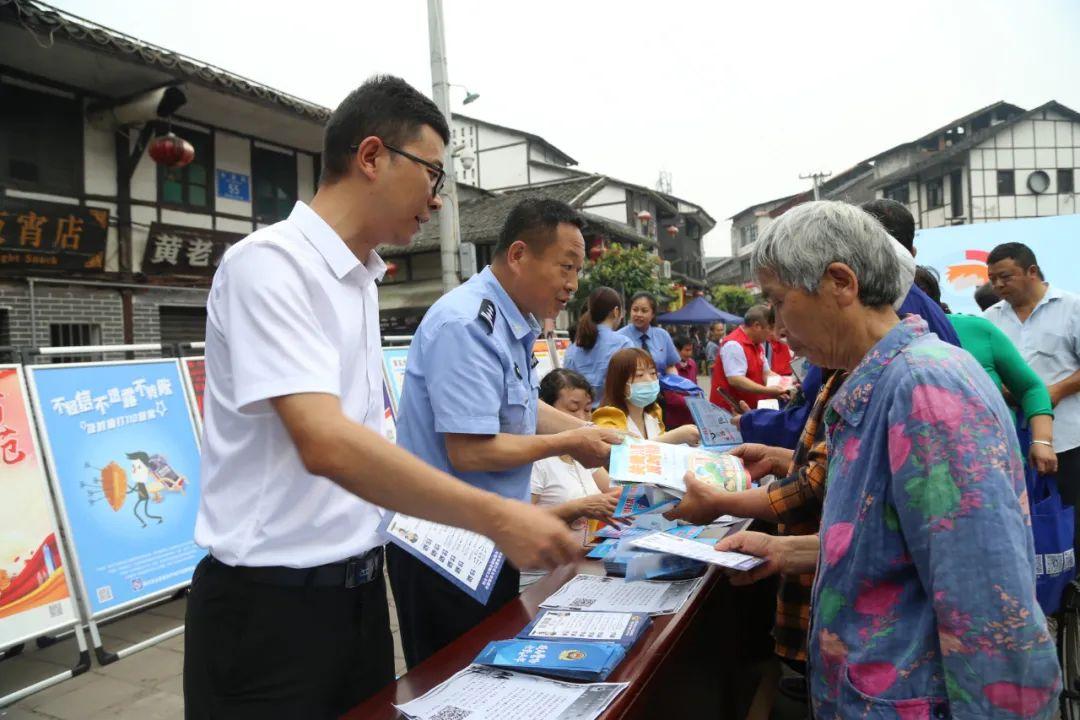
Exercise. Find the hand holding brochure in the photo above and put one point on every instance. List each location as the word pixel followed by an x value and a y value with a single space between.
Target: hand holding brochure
pixel 567 660
pixel 663 465
pixel 714 424
pixel 671 545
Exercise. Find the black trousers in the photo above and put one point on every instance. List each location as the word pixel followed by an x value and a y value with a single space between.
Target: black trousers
pixel 432 612
pixel 254 650
pixel 1068 482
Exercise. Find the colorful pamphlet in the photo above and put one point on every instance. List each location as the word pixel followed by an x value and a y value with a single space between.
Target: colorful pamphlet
pixel 694 550
pixel 624 628
pixel 567 660
pixel 714 424
pixel 663 465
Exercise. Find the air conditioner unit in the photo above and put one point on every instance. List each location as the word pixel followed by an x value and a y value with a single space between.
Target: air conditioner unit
pixel 665 270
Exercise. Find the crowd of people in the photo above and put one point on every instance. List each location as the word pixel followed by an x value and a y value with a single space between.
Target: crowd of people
pixel 895 473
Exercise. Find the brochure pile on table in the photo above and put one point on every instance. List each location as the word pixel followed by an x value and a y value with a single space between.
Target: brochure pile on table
pixel 610 594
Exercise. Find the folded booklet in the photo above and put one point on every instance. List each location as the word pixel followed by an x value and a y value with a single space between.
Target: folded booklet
pixel 570 660
pixel 561 625
pixel 714 424
pixel 662 465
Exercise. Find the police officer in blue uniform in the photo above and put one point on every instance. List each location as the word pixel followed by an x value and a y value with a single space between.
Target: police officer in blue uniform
pixel 469 404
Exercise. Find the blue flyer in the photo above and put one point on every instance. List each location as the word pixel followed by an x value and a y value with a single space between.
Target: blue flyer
pixel 586 661
pixel 122 450
pixel 468 560
pixel 624 628
pixel 714 424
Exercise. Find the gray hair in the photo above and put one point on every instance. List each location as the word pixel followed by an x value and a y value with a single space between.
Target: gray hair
pixel 801 244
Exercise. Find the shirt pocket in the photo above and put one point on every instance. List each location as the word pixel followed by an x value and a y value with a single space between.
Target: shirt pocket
pixel 853 702
pixel 1052 345
pixel 518 413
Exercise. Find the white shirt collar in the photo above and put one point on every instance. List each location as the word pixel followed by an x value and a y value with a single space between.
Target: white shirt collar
pixel 333 249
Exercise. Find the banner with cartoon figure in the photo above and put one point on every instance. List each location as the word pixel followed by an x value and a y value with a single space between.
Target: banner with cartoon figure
pixel 958 254
pixel 122 451
pixel 35 597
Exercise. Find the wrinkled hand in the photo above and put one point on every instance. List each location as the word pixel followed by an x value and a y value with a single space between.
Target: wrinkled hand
pixel 702 503
pixel 532 538
pixel 761 460
pixel 601 505
pixel 591 446
pixel 759 545
pixel 1043 459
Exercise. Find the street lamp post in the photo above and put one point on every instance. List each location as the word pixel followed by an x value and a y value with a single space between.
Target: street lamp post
pixel 449 228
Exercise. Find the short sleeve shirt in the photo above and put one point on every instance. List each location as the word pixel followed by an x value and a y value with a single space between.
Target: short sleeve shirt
pixel 658 343
pixel 470 370
pixel 734 359
pixel 291 310
pixel 593 363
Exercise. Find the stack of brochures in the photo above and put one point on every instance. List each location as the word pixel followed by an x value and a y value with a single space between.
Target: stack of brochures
pixel 584 661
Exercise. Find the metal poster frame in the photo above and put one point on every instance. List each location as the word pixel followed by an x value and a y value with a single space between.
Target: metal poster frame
pixel 104 656
pixel 74 624
pixel 189 390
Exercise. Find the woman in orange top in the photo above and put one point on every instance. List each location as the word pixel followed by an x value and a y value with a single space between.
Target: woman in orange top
pixel 630 394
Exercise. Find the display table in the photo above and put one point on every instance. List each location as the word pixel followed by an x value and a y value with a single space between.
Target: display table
pixel 694 663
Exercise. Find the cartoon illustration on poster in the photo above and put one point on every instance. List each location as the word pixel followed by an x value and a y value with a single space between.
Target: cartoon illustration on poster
pixel 35 598
pixel 124 459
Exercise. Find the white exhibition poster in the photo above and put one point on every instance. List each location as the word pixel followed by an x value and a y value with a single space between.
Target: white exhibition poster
pixel 485 693
pixel 614 594
pixel 470 561
pixel 696 550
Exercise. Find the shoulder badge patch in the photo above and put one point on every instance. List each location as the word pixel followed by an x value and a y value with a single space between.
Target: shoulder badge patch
pixel 487 315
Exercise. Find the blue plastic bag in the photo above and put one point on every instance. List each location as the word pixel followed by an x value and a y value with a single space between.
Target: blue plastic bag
pixel 1052 525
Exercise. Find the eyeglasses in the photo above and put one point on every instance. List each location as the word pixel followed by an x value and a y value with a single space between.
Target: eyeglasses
pixel 437 179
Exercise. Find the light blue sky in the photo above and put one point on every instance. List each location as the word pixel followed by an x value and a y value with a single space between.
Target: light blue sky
pixel 735 99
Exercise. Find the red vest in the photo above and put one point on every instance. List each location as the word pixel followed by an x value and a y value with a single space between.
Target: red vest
pixel 781 358
pixel 755 372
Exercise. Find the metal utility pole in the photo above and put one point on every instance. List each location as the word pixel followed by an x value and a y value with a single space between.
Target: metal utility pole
pixel 817 177
pixel 449 227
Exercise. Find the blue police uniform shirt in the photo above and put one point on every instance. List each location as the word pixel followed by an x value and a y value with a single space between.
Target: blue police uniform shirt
pixel 470 371
pixel 659 345
pixel 593 363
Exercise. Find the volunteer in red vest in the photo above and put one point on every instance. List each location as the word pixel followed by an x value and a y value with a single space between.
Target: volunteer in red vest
pixel 741 370
pixel 777 351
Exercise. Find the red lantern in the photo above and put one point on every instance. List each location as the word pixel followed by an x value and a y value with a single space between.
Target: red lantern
pixel 391 268
pixel 596 252
pixel 644 216
pixel 672 230
pixel 171 150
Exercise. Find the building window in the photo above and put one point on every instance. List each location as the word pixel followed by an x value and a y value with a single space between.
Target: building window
pixel 274 176
pixel 182 324
pixel 900 193
pixel 1006 182
pixel 1065 180
pixel 72 335
pixel 190 186
pixel 935 196
pixel 41 141
pixel 749 234
pixel 956 194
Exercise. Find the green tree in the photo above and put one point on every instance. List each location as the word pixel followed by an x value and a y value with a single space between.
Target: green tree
pixel 628 269
pixel 732 299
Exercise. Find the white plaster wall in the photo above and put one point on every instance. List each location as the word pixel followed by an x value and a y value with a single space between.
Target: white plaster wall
pixel 233 225
pixel 489 137
pixel 540 174
pixel 504 167
pixel 99 161
pixel 611 212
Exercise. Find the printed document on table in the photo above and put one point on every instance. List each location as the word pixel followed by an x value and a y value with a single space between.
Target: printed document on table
pixel 620 627
pixel 485 693
pixel 614 594
pixel 664 465
pixel 672 545
pixel 468 560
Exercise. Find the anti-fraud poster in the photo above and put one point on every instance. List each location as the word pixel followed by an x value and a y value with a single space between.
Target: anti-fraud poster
pixel 35 598
pixel 121 446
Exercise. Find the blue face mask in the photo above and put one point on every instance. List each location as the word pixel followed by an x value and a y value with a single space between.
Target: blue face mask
pixel 644 394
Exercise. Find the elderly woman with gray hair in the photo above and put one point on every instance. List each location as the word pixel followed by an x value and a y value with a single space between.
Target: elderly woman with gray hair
pixel 924 601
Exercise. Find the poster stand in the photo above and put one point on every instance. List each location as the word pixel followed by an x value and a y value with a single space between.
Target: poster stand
pixel 92 618
pixel 42 576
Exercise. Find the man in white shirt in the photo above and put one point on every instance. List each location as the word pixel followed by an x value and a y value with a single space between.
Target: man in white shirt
pixel 287 616
pixel 1044 324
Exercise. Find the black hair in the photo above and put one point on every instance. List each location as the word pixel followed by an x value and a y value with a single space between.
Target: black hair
pixel 641 294
pixel 386 107
pixel 533 221
pixel 985 296
pixel 1020 253
pixel 682 341
pixel 601 302
pixel 561 379
pixel 757 314
pixel 927 280
pixel 140 456
pixel 895 218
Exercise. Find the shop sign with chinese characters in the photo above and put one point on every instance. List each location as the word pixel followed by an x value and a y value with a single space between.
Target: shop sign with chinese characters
pixel 50 236
pixel 178 250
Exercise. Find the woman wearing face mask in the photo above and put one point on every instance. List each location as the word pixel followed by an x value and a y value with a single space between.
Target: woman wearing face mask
pixel 630 400
pixel 652 339
pixel 596 340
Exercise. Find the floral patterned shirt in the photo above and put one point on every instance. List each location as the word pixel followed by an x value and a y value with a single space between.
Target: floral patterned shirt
pixel 924 604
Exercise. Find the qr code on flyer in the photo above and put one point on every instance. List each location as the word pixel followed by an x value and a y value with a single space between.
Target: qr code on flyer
pixel 104 594
pixel 55 609
pixel 582 602
pixel 451 712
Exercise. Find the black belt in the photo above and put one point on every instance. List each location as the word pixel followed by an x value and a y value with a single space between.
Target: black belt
pixel 351 573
